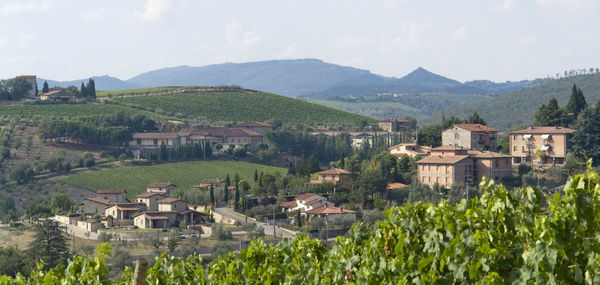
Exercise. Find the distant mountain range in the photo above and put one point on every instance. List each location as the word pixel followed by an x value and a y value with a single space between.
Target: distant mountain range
pixel 309 78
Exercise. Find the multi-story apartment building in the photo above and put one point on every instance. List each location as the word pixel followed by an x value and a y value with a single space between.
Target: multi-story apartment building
pixel 470 136
pixel 447 165
pixel 540 145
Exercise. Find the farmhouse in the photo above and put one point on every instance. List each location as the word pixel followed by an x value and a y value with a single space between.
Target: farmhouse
pixel 167 189
pixel 333 214
pixel 112 195
pixel 150 199
pixel 540 145
pixel 470 136
pixel 207 182
pixel 258 127
pixel 154 140
pixel 410 149
pixel 337 176
pixel 124 211
pixel 305 202
pixel 58 94
pixel 394 125
pixel 94 205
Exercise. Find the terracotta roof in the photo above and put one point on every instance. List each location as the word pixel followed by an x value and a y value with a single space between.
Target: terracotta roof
pixel 438 159
pixel 328 210
pixel 395 185
pixel 289 204
pixel 154 135
pixel 99 200
pixel 476 128
pixel 169 200
pixel 253 124
pixel 544 130
pixel 395 120
pixel 221 132
pixel 315 201
pixel 110 191
pixel 333 171
pixel 149 194
pixel 160 185
pixel 305 196
pixel 27 76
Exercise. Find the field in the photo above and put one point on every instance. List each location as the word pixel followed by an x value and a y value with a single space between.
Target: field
pixel 68 110
pixel 379 110
pixel 244 106
pixel 137 91
pixel 184 174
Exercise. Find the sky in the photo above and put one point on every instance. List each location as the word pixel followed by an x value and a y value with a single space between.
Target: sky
pixel 464 40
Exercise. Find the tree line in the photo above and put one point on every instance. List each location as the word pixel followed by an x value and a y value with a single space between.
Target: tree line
pixel 113 130
pixel 14 89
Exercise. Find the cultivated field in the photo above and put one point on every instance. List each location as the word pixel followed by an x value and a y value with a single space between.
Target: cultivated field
pixel 184 174
pixel 68 110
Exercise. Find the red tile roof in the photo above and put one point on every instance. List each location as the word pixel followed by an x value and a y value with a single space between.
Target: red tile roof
pixel 487 154
pixel 149 194
pixel 99 200
pixel 544 130
pixel 154 135
pixel 305 196
pixel 448 148
pixel 110 191
pixel 476 128
pixel 221 132
pixel 438 159
pixel 328 210
pixel 151 217
pixel 395 120
pixel 395 185
pixel 333 171
pixel 315 201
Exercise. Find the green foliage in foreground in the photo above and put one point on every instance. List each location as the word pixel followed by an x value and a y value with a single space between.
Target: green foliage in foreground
pixel 503 237
pixel 184 174
pixel 245 106
pixel 69 110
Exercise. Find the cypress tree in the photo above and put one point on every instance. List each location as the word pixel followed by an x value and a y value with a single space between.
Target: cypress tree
pixel 236 199
pixel 342 161
pixel 226 189
pixel 91 89
pixel 255 175
pixel 298 219
pixel 576 104
pixel 45 89
pixel 83 91
pixel 586 139
pixel 212 195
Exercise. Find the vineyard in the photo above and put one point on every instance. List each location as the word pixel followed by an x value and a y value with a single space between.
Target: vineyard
pixel 244 106
pixel 69 110
pixel 503 237
pixel 184 174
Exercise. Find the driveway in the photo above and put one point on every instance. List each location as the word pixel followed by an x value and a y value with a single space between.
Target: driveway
pixel 229 213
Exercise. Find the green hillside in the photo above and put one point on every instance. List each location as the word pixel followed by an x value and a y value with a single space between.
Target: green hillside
pixel 419 106
pixel 68 110
pixel 516 108
pixel 184 174
pixel 243 105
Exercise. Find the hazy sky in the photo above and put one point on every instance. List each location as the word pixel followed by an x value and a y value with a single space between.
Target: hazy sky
pixel 464 40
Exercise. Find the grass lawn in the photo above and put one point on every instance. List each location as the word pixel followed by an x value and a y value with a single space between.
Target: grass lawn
pixel 184 174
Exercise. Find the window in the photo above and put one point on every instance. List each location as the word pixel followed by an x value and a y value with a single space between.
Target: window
pixel 155 142
pixel 456 136
pixel 523 148
pixel 515 148
pixel 139 141
pixel 514 137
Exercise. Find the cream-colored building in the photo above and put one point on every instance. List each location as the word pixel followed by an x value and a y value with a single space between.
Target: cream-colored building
pixel 470 136
pixel 258 127
pixel 155 140
pixel 394 125
pixel 124 211
pixel 447 165
pixel 172 205
pixel 150 199
pixel 166 189
pixel 410 149
pixel 540 145
pixel 336 176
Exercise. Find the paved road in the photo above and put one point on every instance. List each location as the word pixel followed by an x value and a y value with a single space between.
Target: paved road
pixel 280 232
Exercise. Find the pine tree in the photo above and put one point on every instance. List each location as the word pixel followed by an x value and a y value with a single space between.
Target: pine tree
pixel 45 89
pixel 212 195
pixel 550 115
pixel 586 139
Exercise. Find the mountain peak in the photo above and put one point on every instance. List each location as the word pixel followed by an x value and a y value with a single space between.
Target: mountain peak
pixel 422 76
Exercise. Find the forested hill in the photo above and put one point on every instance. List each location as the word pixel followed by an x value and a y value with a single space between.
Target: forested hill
pixel 519 107
pixel 311 78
